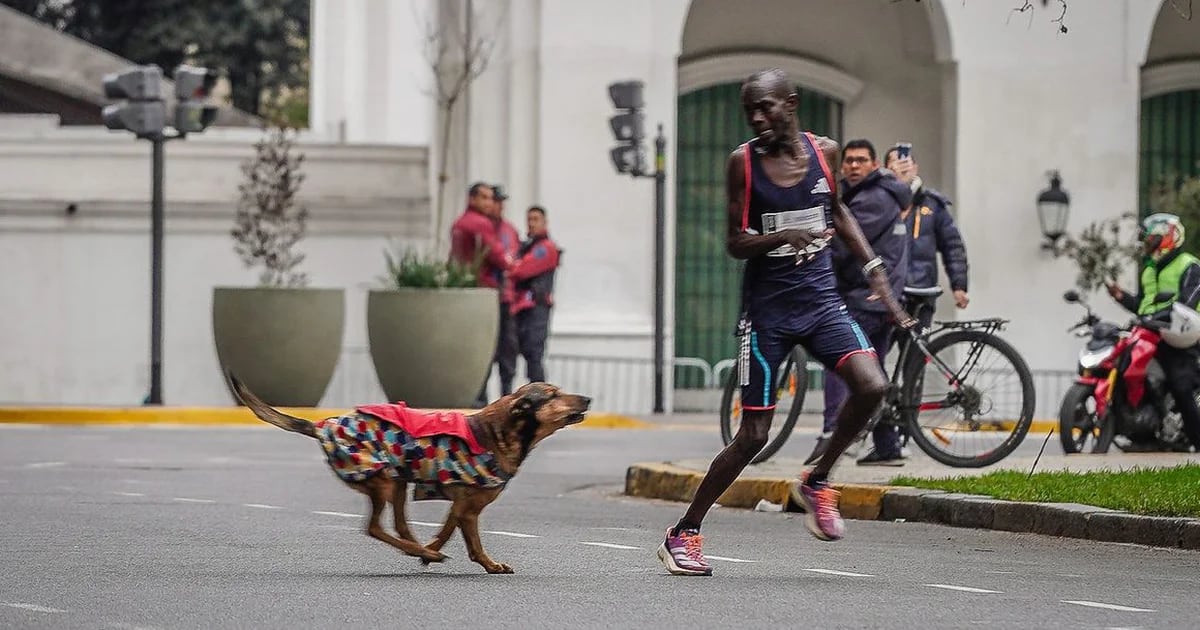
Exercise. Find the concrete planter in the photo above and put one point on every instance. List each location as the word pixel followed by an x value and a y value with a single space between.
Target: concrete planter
pixel 432 347
pixel 283 343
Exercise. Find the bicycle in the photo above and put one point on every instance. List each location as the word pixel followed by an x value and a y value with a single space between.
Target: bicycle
pixel 905 405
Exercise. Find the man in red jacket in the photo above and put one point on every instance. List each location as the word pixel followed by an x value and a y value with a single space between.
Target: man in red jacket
pixel 475 230
pixel 533 282
pixel 506 343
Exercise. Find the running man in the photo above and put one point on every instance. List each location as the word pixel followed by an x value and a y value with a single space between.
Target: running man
pixel 782 211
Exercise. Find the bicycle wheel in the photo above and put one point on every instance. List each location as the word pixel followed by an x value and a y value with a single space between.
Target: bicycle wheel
pixel 979 416
pixel 790 389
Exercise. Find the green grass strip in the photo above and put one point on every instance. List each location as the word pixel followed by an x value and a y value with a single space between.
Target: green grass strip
pixel 1171 491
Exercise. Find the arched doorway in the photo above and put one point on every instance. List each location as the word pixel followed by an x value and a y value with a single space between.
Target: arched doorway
pixel 864 94
pixel 1169 133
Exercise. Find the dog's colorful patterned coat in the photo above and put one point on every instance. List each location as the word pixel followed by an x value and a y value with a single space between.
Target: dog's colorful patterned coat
pixel 359 445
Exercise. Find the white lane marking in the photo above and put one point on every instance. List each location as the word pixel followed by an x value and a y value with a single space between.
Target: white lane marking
pixel 835 572
pixel 424 524
pixel 724 559
pixel 262 506
pixel 121 625
pixel 965 589
pixel 187 500
pixel 512 534
pixel 616 529
pixel 129 494
pixel 338 514
pixel 608 545
pixel 1106 606
pixel 1001 572
pixel 33 607
pixel 45 464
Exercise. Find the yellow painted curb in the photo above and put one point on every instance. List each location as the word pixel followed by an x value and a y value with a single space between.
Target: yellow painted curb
pixel 860 501
pixel 673 483
pixel 220 416
pixel 666 481
pixel 1043 426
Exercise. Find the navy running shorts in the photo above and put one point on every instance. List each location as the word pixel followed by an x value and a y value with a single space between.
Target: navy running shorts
pixel 829 336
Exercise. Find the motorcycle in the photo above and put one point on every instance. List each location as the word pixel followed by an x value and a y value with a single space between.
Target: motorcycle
pixel 1120 396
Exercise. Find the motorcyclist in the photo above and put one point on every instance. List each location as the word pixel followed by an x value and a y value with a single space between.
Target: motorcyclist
pixel 1167 268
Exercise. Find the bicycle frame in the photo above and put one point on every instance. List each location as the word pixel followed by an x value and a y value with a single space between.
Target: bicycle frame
pixel 921 341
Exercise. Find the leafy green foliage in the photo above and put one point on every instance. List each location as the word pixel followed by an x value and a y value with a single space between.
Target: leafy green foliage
pixel 1103 250
pixel 408 269
pixel 1156 491
pixel 262 45
pixel 269 223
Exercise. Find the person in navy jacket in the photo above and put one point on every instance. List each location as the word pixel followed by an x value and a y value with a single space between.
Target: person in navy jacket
pixel 876 198
pixel 532 277
pixel 933 231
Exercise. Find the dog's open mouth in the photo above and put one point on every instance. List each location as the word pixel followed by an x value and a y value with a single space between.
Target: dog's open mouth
pixel 576 417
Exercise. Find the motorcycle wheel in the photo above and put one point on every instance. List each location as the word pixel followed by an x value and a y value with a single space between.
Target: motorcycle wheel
pixel 1077 422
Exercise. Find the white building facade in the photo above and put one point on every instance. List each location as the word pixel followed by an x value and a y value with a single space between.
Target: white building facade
pixel 992 100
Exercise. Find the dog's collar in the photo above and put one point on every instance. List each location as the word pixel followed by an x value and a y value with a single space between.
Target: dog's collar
pixel 481 437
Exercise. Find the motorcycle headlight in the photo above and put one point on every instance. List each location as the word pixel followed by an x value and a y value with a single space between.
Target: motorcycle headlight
pixel 1089 359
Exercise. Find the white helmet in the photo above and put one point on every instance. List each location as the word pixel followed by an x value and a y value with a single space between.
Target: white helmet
pixel 1184 331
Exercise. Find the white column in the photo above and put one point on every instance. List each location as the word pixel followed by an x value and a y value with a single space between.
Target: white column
pixel 369 76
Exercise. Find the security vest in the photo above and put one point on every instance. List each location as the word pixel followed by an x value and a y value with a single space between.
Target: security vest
pixel 1155 281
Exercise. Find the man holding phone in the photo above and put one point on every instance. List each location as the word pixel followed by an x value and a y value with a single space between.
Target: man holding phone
pixel 932 229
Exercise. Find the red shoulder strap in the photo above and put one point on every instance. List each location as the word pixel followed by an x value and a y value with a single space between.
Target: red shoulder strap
pixel 812 142
pixel 746 196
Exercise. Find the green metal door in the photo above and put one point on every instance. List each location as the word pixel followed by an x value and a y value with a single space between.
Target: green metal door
pixel 707 280
pixel 1170 142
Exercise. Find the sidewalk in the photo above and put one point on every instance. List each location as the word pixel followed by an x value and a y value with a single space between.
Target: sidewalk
pixel 866 494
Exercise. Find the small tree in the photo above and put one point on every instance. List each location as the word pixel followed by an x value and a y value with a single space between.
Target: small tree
pixel 1103 250
pixel 269 223
pixel 458 54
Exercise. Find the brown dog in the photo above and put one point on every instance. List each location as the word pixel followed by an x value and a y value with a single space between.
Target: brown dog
pixel 375 452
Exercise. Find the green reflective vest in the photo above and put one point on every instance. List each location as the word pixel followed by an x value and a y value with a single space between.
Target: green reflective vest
pixel 1155 280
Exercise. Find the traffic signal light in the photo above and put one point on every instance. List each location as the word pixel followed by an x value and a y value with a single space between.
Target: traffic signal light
pixel 143 111
pixel 627 127
pixel 193 86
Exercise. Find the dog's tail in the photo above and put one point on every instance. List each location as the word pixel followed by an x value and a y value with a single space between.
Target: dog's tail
pixel 268 413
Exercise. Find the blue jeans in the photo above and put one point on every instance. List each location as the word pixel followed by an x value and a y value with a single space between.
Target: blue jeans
pixel 878 328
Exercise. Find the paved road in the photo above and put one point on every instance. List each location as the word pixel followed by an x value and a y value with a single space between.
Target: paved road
pixel 244 527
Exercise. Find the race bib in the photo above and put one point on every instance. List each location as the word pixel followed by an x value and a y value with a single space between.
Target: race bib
pixel 805 219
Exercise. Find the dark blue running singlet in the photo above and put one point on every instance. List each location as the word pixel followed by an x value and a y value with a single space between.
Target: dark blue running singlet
pixel 776 291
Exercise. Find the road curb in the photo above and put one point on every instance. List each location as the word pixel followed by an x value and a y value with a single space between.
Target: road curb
pixel 217 416
pixel 905 504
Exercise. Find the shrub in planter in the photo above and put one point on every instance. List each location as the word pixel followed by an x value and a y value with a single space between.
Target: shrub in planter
pixel 432 330
pixel 281 337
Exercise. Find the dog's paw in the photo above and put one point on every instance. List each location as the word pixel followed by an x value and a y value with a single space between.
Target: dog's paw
pixel 429 556
pixel 500 568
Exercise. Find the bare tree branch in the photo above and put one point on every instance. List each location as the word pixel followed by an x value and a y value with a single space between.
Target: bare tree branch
pixel 1026 7
pixel 458 53
pixel 1062 28
pixel 1185 15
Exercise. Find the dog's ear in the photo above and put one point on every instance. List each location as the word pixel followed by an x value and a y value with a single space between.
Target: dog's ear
pixel 530 400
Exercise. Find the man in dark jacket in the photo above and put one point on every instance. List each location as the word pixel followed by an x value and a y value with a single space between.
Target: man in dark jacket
pixel 533 283
pixel 875 198
pixel 932 228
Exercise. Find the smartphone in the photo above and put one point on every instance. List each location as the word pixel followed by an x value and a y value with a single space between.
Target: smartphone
pixel 903 150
